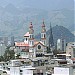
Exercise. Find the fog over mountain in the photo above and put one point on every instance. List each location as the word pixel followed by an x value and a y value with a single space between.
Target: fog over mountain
pixel 42 4
pixel 16 15
pixel 59 32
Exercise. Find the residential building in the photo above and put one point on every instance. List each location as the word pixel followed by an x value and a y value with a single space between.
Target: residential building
pixel 5 39
pixel 64 70
pixel 12 41
pixel 61 44
pixel 70 49
pixel 2 49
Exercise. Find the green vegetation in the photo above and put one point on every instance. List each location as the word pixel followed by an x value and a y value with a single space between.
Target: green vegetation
pixel 49 50
pixel 9 54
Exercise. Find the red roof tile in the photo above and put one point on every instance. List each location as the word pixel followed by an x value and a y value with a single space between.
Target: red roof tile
pixel 27 34
pixel 21 44
pixel 36 43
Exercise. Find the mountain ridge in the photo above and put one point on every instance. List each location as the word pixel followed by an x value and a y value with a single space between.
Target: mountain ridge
pixel 18 23
pixel 59 32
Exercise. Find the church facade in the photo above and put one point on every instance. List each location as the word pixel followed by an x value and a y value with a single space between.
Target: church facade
pixel 30 47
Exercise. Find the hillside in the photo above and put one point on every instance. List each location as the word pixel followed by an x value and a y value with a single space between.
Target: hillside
pixel 15 21
pixel 59 32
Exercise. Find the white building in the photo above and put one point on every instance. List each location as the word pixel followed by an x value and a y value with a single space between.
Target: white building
pixel 2 49
pixel 70 49
pixel 61 44
pixel 12 41
pixel 64 70
pixel 30 47
pixel 22 67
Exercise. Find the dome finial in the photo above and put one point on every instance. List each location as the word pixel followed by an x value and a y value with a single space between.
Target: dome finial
pixel 31 26
pixel 43 25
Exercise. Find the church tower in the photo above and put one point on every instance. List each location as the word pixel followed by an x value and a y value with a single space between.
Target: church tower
pixel 43 34
pixel 31 39
pixel 51 42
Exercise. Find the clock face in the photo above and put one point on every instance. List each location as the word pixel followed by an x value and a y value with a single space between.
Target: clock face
pixel 39 47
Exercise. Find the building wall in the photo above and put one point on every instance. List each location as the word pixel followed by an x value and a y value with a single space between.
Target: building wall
pixel 70 49
pixel 2 49
pixel 12 41
pixel 61 44
pixel 27 72
pixel 40 50
pixel 14 70
pixel 63 71
pixel 26 40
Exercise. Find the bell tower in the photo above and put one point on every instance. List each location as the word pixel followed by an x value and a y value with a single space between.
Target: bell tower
pixel 43 34
pixel 31 39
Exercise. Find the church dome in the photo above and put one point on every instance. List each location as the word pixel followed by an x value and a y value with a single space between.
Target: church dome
pixel 31 31
pixel 31 26
pixel 43 27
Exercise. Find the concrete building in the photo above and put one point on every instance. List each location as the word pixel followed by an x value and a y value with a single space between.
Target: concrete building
pixel 2 49
pixel 61 44
pixel 70 49
pixel 5 39
pixel 12 41
pixel 23 67
pixel 64 70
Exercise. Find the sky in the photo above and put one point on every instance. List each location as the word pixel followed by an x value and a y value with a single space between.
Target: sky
pixel 40 4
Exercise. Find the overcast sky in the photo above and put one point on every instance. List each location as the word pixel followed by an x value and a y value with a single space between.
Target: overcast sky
pixel 41 4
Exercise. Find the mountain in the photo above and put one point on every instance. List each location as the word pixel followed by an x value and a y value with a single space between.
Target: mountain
pixel 58 33
pixel 42 4
pixel 15 21
pixel 12 9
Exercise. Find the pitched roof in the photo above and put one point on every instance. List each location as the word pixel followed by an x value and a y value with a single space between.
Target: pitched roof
pixel 21 44
pixel 36 43
pixel 27 34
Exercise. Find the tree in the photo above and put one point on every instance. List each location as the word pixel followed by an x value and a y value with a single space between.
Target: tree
pixel 1 58
pixel 18 55
pixel 9 54
pixel 49 50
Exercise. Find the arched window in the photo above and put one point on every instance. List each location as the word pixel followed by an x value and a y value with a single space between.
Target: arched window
pixel 26 39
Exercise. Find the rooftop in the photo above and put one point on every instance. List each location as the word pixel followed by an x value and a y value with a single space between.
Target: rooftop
pixel 27 34
pixel 21 44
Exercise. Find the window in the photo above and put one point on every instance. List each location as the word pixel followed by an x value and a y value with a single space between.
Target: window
pixel 4 72
pixel 21 71
pixel 32 42
pixel 30 36
pixel 44 42
pixel 26 39
pixel 39 47
pixel 73 52
pixel 39 55
pixel 44 36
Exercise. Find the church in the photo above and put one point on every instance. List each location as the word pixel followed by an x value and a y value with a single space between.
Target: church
pixel 30 48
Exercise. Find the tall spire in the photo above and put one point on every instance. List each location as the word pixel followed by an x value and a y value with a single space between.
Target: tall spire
pixel 43 34
pixel 43 25
pixel 51 42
